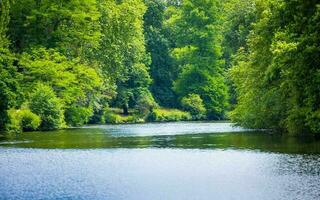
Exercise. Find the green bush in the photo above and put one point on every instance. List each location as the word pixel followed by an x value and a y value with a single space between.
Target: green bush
pixel 194 104
pixel 145 104
pixel 112 116
pixel 29 120
pixel 162 115
pixel 44 103
pixel 22 120
pixel 77 115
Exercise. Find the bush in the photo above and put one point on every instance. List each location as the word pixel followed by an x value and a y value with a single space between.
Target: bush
pixel 194 104
pixel 44 103
pixel 113 117
pixel 77 115
pixel 9 84
pixel 162 115
pixel 22 120
pixel 145 104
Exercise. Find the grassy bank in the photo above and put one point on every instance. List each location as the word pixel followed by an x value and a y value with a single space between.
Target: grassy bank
pixel 115 116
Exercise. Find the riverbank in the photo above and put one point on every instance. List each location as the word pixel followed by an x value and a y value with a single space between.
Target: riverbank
pixel 116 116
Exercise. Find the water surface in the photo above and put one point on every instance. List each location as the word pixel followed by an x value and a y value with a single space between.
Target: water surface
pixel 159 161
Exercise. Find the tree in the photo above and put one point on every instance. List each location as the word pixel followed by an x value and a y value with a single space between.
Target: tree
pixel 72 27
pixel 45 104
pixel 277 79
pixel 238 19
pixel 9 87
pixel 194 104
pixel 162 70
pixel 77 85
pixel 4 20
pixel 22 120
pixel 123 54
pixel 197 53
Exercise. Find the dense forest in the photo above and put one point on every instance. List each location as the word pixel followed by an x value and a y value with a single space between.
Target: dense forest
pixel 72 62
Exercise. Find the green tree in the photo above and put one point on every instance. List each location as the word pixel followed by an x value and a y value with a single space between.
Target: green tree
pixel 45 104
pixel 22 120
pixel 277 79
pixel 123 54
pixel 72 27
pixel 196 25
pixel 9 85
pixel 194 104
pixel 238 18
pixel 162 70
pixel 4 20
pixel 76 84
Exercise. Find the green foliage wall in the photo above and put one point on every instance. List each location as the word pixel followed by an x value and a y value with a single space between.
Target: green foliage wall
pixel 69 61
pixel 9 85
pixel 158 44
pixel 122 53
pixel 196 26
pixel 72 27
pixel 278 78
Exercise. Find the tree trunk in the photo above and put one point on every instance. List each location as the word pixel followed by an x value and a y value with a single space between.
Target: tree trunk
pixel 125 109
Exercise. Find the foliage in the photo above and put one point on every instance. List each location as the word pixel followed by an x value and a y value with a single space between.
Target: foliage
pixel 277 79
pixel 238 18
pixel 114 116
pixel 158 43
pixel 165 115
pixel 77 115
pixel 77 85
pixel 22 120
pixel 122 53
pixel 194 104
pixel 9 87
pixel 145 103
pixel 197 54
pixel 68 61
pixel 4 20
pixel 72 27
pixel 45 103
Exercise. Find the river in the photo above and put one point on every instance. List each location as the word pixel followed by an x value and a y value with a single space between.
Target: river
pixel 185 160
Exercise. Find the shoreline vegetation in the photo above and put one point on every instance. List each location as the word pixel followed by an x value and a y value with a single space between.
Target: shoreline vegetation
pixel 70 63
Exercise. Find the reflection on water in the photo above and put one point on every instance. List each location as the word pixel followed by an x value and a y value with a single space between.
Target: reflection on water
pixel 187 135
pixel 159 161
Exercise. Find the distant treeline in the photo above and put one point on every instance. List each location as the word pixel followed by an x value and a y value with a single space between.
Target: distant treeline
pixel 66 63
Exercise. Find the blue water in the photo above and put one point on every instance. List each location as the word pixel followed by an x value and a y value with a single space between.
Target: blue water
pixel 231 165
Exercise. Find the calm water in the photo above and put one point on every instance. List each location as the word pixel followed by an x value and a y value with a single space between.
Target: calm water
pixel 159 161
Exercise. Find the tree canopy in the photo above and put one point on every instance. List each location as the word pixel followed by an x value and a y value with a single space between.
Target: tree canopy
pixel 69 63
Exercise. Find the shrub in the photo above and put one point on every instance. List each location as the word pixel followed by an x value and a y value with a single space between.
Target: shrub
pixel 145 104
pixel 77 115
pixel 115 118
pixel 22 120
pixel 44 103
pixel 29 120
pixel 161 115
pixel 194 104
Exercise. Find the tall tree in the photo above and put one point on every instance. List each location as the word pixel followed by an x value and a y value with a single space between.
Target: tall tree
pixel 162 70
pixel 238 19
pixel 58 41
pixel 72 27
pixel 4 20
pixel 196 26
pixel 9 87
pixel 123 53
pixel 278 78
